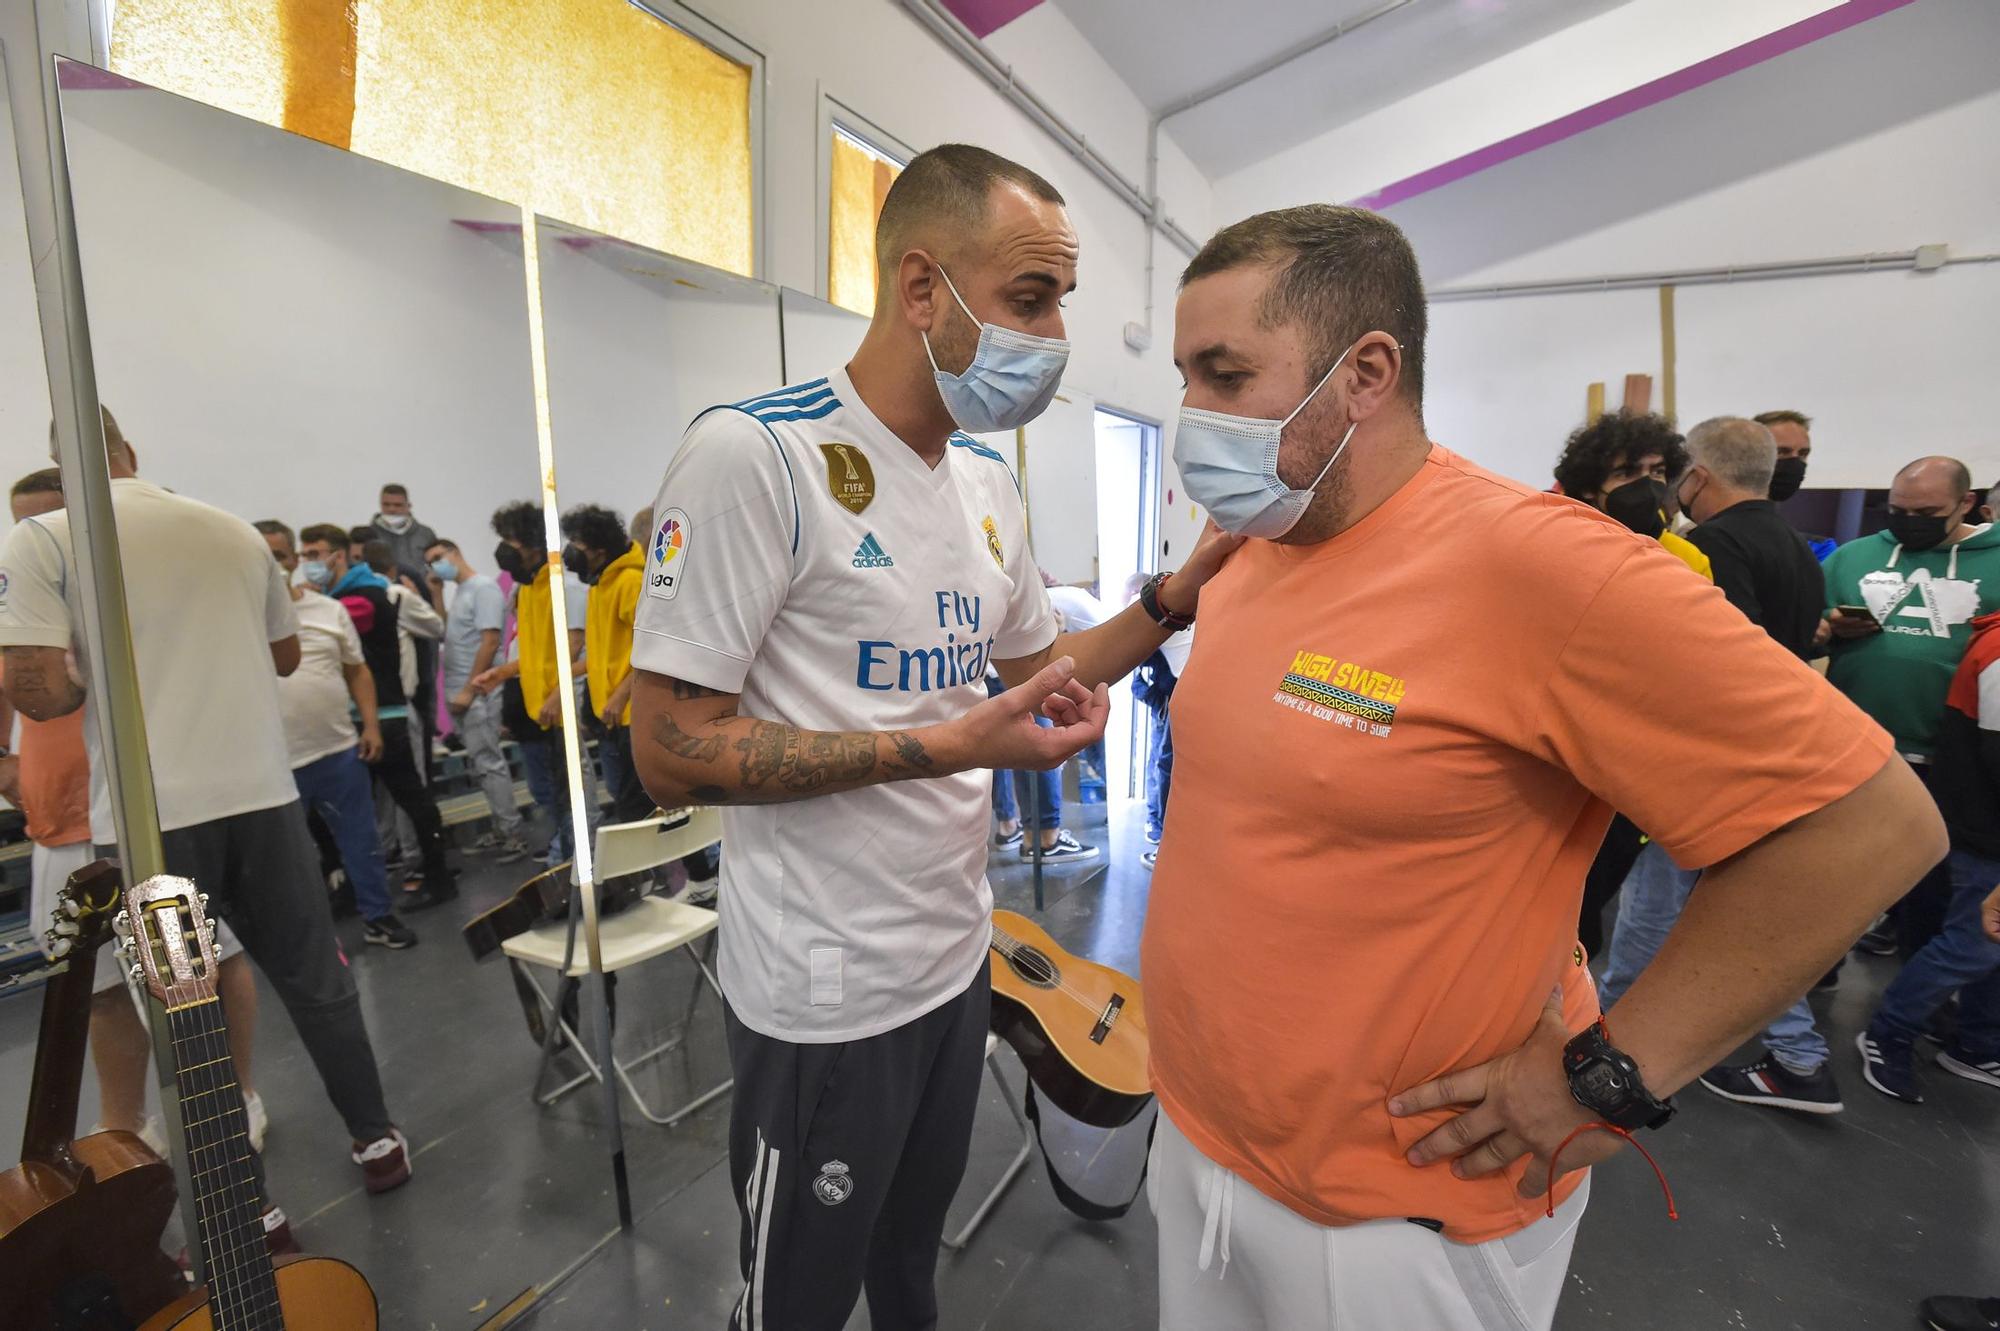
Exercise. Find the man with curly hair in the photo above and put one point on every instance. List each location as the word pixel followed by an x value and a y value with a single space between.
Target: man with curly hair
pixel 1619 465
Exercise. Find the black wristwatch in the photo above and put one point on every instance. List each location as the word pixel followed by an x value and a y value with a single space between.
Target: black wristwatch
pixel 1149 601
pixel 1606 1081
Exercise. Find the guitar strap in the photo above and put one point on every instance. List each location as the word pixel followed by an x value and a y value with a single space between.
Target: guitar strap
pixel 1073 1200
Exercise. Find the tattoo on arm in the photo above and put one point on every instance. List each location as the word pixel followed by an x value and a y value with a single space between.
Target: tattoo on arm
pixel 686 692
pixel 698 749
pixel 910 753
pixel 802 762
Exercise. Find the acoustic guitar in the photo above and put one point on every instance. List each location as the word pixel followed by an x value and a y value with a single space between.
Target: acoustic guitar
pixel 80 1220
pixel 1080 1028
pixel 174 945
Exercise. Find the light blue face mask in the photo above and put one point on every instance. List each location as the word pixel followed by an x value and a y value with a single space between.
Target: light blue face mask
pixel 1229 465
pixel 1012 378
pixel 445 569
pixel 315 575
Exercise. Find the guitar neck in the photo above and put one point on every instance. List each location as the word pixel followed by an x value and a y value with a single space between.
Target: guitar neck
pixel 58 1078
pixel 243 1293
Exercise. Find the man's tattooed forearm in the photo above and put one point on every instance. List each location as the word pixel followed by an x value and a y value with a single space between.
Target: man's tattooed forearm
pixel 802 762
pixel 911 755
pixel 674 740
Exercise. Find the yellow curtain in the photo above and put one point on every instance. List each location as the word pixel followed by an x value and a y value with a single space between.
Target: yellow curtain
pixel 858 182
pixel 588 110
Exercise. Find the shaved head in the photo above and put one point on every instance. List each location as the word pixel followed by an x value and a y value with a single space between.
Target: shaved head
pixel 943 202
pixel 1947 475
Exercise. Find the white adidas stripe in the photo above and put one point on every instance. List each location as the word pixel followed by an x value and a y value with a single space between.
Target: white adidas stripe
pixel 757 1262
pixel 752 1195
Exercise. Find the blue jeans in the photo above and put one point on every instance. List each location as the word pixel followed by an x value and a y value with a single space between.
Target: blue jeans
pixel 1010 789
pixel 1649 905
pixel 1159 769
pixel 337 788
pixel 1963 958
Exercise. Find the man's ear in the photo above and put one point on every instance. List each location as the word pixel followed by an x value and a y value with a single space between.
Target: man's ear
pixel 917 290
pixel 1378 370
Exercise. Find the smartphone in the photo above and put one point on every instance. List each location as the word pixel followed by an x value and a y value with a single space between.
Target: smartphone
pixel 1856 612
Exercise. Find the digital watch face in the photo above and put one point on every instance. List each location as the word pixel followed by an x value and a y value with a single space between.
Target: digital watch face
pixel 1602 1082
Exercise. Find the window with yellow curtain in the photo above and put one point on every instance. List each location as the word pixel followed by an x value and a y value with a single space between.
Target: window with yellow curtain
pixel 858 181
pixel 587 110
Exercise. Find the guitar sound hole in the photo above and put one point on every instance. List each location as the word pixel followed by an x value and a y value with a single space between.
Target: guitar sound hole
pixel 1033 966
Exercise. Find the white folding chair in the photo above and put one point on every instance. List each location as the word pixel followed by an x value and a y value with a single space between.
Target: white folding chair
pixel 958 1241
pixel 651 927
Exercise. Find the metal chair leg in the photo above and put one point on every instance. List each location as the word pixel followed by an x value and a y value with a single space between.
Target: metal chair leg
pixel 958 1241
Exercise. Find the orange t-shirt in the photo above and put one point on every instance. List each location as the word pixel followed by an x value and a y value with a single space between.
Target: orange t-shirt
pixel 1395 755
pixel 55 780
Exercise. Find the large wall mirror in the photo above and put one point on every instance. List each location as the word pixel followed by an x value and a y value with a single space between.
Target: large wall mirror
pixel 281 331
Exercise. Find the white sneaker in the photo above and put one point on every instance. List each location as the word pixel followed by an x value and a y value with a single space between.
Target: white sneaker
pixel 260 1122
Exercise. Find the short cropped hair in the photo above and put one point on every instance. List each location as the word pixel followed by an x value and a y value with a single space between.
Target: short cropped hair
pixel 392 488
pixel 376 555
pixel 1741 453
pixel 519 521
pixel 1342 272
pixel 325 533
pixel 947 191
pixel 1589 452
pixel 47 481
pixel 441 542
pixel 597 527
pixel 1770 418
pixel 362 535
pixel 273 527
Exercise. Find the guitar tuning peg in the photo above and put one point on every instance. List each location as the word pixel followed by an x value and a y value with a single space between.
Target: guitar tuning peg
pixel 123 919
pixel 202 897
pixel 137 972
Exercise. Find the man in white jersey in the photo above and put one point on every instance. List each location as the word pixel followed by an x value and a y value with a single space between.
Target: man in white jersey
pixel 830 571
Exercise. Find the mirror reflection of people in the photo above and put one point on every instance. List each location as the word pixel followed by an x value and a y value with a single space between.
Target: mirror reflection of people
pixel 816 640
pixel 1793 432
pixel 1153 685
pixel 397 526
pixel 474 625
pixel 320 702
pixel 365 594
pixel 534 715
pixel 212 628
pixel 613 566
pixel 1418 692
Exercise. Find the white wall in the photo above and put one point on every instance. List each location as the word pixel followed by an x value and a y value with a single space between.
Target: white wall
pixel 1878 138
pixel 636 347
pixel 24 381
pixel 280 327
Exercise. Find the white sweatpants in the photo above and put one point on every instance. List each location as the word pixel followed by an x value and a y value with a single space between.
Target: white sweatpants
pixel 1231 1259
pixel 49 868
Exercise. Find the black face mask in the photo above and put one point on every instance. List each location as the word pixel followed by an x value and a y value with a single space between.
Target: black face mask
pixel 577 562
pixel 1786 480
pixel 1918 531
pixel 510 561
pixel 1640 505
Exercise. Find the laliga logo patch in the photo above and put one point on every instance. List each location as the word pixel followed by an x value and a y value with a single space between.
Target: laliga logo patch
pixel 833 1186
pixel 668 565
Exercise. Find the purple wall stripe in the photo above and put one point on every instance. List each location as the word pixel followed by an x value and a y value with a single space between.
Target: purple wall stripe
pixel 1770 45
pixel 983 16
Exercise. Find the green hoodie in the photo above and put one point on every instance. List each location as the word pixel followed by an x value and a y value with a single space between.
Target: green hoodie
pixel 1925 601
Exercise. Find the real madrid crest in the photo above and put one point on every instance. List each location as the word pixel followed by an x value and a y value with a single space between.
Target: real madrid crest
pixel 993 542
pixel 834 1185
pixel 848 476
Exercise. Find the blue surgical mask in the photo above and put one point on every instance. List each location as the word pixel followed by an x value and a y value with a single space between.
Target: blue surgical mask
pixel 1012 377
pixel 316 575
pixel 445 569
pixel 1229 465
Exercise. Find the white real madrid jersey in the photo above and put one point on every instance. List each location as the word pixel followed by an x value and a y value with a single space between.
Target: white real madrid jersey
pixel 804 557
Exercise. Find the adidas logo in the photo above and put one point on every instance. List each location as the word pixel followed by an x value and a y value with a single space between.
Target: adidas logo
pixel 870 554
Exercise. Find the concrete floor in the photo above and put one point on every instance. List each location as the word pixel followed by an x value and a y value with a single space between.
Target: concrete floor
pixel 1787 1222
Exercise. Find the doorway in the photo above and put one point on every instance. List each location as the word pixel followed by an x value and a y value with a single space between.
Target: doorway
pixel 1128 519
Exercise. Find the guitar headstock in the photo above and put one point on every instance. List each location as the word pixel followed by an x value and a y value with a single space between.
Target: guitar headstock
pixel 85 910
pixel 173 940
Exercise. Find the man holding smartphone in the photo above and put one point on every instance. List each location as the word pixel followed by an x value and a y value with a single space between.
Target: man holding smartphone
pixel 1922 582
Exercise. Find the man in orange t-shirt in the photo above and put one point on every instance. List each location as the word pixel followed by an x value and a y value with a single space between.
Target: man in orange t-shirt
pixel 1418 692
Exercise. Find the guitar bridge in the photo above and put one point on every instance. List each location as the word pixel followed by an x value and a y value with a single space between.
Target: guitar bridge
pixel 1107 1019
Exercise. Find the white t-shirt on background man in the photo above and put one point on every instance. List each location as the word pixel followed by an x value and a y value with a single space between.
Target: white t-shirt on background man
pixel 313 700
pixel 206 601
pixel 803 556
